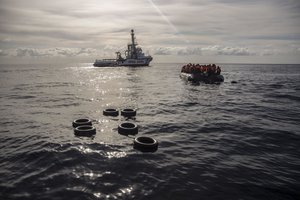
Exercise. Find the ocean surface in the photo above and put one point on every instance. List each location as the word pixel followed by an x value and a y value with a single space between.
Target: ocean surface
pixel 228 141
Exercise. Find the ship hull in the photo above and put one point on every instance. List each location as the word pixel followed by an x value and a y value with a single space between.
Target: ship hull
pixel 106 63
pixel 135 62
pixel 126 62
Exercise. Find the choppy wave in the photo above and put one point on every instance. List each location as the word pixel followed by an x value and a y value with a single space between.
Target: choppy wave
pixel 227 141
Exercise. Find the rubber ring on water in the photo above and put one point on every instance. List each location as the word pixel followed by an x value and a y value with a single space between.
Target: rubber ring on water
pixel 82 121
pixel 85 130
pixel 127 128
pixel 111 112
pixel 145 144
pixel 128 112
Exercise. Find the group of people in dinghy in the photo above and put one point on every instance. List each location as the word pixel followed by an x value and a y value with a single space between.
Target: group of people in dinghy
pixel 210 69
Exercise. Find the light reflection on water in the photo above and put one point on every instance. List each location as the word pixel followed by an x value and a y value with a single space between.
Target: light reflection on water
pixel 107 154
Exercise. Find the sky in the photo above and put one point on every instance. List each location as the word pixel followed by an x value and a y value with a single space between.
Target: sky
pixel 202 31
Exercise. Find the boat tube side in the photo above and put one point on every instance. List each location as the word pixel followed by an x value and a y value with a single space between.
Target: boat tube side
pixel 197 77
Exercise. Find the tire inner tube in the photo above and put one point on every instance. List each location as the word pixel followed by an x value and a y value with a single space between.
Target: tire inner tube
pixel 111 112
pixel 85 130
pixel 145 144
pixel 128 112
pixel 127 128
pixel 82 121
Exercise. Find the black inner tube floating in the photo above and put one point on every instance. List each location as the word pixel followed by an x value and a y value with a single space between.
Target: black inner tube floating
pixel 127 128
pixel 111 112
pixel 85 130
pixel 82 121
pixel 145 144
pixel 128 112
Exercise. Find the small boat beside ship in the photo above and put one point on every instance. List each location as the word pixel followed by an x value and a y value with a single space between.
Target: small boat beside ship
pixel 134 56
pixel 202 73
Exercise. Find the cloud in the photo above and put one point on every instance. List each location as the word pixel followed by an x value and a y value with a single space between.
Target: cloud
pixel 31 52
pixel 208 50
pixel 233 51
pixel 3 53
pixel 53 52
pixel 164 51
pixel 190 51
pixel 176 51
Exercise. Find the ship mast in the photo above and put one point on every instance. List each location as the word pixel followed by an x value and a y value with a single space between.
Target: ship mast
pixel 133 52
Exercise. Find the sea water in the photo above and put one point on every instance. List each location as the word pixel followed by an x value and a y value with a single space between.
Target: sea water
pixel 216 141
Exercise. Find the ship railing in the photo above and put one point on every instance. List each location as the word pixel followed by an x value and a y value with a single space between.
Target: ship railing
pixel 106 60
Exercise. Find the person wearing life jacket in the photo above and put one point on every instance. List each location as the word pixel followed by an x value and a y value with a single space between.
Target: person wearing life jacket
pixel 218 70
pixel 209 69
pixel 206 73
pixel 204 69
pixel 214 68
pixel 201 69
pixel 195 68
pixel 188 69
pixel 198 68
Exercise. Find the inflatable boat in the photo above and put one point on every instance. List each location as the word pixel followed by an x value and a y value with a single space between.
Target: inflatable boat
pixel 210 73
